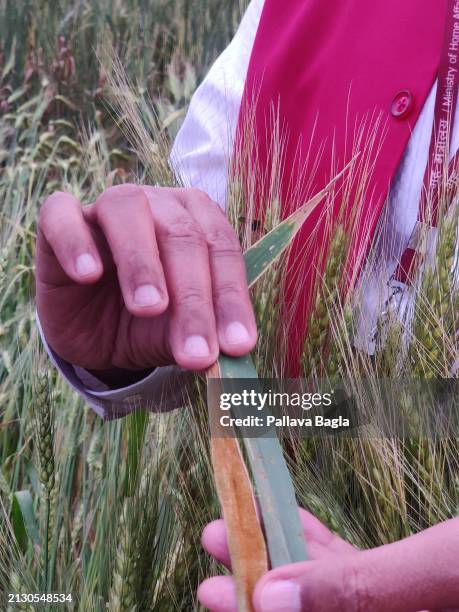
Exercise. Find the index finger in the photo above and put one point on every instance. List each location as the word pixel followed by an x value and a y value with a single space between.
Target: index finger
pixel 124 215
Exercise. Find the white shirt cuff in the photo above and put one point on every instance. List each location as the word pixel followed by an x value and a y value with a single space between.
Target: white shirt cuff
pixel 164 389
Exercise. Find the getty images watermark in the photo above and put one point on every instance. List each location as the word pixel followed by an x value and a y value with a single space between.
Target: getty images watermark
pixel 262 401
pixel 298 407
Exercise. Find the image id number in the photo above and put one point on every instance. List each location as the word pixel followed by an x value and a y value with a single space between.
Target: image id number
pixel 39 597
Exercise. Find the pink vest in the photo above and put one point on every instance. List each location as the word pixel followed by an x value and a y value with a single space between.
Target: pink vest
pixel 326 65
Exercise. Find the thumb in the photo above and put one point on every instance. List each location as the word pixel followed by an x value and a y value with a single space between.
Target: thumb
pixel 330 585
pixel 420 572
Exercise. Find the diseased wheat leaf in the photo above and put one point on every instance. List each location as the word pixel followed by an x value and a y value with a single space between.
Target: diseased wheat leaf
pixel 245 537
pixel 274 487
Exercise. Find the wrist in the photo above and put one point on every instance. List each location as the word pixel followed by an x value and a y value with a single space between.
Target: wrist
pixel 116 378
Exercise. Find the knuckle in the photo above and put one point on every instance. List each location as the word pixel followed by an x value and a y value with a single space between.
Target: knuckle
pixel 152 192
pixel 186 231
pixel 222 240
pixel 126 189
pixel 202 198
pixel 230 289
pixel 354 595
pixel 193 298
pixel 52 219
pixel 198 194
pixel 49 206
pixel 135 258
pixel 117 194
pixel 135 265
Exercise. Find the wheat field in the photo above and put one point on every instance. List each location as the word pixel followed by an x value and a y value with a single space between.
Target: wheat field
pixel 112 513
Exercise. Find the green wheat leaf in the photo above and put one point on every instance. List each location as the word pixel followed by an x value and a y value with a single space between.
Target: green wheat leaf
pixel 136 426
pixel 23 518
pixel 264 253
pixel 260 256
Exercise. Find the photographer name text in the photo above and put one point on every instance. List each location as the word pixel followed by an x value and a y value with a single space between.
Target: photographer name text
pixel 284 421
pixel 256 402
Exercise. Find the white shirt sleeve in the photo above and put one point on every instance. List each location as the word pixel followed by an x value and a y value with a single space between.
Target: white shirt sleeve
pixel 203 145
pixel 199 157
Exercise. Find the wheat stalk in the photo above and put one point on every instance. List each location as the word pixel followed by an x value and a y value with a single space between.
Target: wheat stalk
pixel 327 296
pixel 44 423
pixel 122 596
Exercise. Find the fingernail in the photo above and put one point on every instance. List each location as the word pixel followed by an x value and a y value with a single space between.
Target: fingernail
pixel 280 596
pixel 146 295
pixel 196 346
pixel 236 333
pixel 85 264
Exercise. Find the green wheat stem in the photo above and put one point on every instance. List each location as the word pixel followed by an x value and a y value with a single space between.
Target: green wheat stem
pixel 47 530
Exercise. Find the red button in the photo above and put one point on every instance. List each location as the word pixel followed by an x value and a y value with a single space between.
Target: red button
pixel 402 104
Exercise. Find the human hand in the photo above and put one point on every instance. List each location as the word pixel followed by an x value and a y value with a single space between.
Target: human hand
pixel 417 573
pixel 143 277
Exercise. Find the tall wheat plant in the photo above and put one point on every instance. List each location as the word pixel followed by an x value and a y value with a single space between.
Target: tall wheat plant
pixel 112 512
